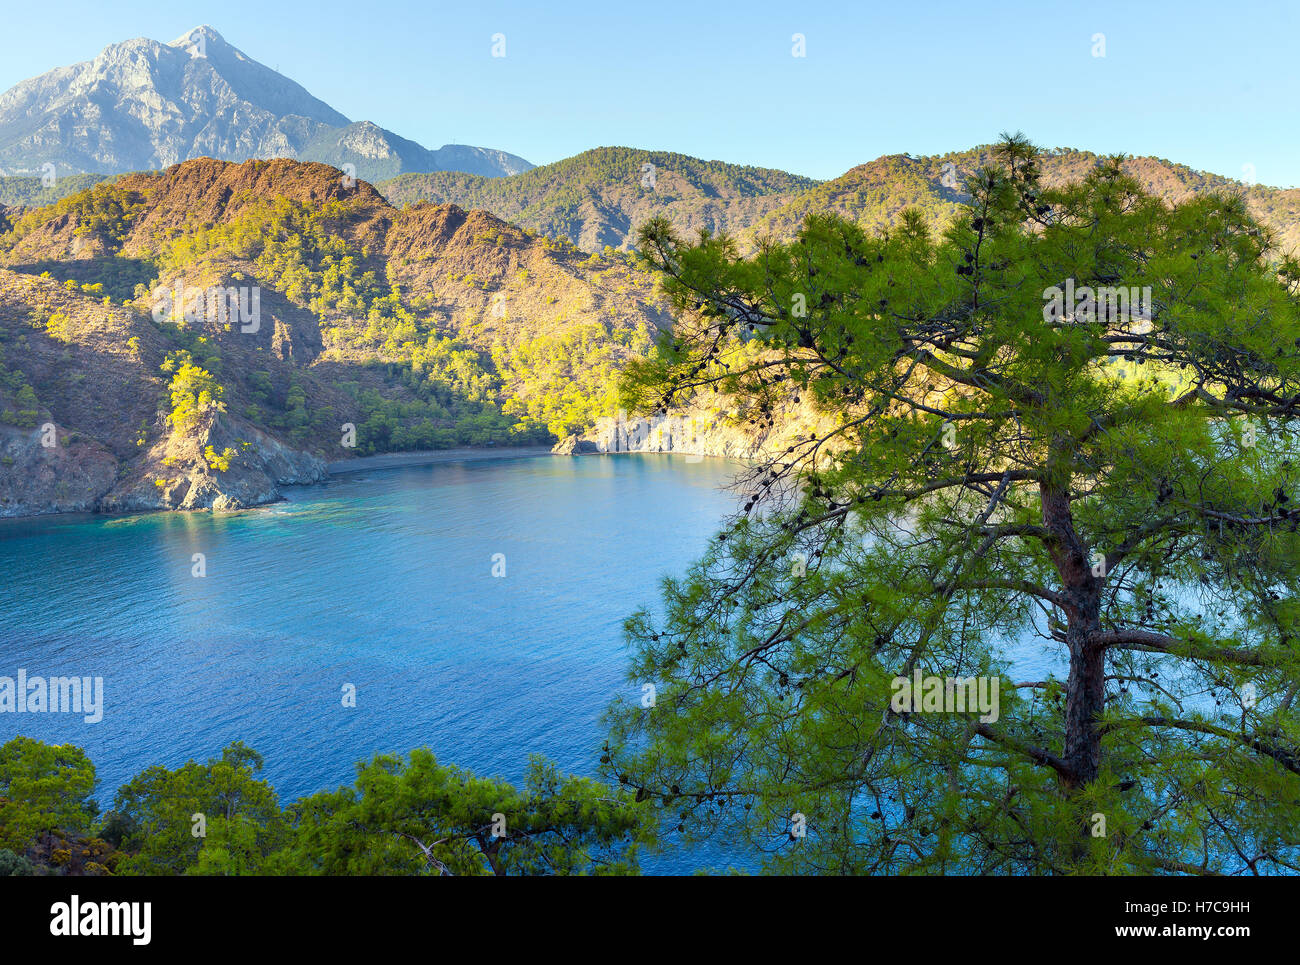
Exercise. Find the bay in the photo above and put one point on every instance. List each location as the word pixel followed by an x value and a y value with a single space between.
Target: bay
pixel 380 580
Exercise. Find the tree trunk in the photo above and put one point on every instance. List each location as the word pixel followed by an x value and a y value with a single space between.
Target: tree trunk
pixel 1085 694
pixel 490 847
pixel 1085 698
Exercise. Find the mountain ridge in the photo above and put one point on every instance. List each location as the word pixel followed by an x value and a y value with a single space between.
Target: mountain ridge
pixel 142 105
pixel 874 193
pixel 596 198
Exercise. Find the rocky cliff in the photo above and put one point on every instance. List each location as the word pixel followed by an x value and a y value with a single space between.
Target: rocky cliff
pixel 228 465
pixel 695 431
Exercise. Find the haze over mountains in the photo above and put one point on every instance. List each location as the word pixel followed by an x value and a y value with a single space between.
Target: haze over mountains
pixel 142 105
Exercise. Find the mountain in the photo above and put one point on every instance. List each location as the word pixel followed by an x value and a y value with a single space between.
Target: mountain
pixel 873 194
pixel 142 105
pixel 599 197
pixel 377 153
pixel 378 328
pixel 422 328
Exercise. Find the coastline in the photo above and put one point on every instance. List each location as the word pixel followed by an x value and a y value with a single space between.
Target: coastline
pixel 389 460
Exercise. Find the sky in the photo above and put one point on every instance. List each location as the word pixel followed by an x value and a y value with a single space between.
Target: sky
pixel 1211 85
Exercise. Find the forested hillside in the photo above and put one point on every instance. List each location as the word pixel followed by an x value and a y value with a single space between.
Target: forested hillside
pixel 422 328
pixel 873 195
pixel 426 326
pixel 599 197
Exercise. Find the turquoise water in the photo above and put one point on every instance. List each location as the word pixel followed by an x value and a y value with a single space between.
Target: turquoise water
pixel 382 580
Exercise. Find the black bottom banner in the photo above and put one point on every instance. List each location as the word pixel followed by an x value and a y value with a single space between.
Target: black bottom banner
pixel 141 915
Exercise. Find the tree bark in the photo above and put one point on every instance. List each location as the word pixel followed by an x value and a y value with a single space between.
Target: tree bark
pixel 1085 695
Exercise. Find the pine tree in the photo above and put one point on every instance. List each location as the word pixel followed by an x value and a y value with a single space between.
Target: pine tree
pixel 1101 488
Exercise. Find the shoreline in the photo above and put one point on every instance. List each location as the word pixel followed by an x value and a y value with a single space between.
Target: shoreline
pixel 390 460
pixel 430 457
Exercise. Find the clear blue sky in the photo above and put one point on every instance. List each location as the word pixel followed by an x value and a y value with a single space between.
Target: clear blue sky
pixel 1213 85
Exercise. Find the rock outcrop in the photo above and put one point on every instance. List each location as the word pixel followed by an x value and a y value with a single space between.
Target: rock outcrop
pixel 231 465
pixel 48 469
pixel 574 446
pixel 68 476
pixel 700 431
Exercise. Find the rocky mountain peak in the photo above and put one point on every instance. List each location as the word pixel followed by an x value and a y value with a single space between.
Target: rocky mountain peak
pixel 202 32
pixel 142 105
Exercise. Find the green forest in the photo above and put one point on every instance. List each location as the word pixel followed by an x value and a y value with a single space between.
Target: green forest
pixel 404 814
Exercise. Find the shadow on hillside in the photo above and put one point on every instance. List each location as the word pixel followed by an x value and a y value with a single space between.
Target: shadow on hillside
pixel 109 396
pixel 118 275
